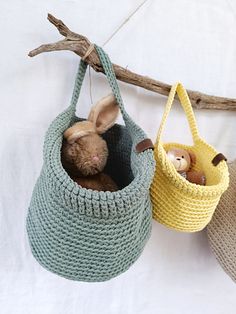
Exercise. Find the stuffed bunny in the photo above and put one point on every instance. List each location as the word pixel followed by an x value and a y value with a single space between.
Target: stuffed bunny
pixel 85 152
pixel 183 160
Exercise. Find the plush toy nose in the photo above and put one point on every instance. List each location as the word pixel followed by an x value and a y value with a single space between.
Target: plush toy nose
pixel 95 158
pixel 178 158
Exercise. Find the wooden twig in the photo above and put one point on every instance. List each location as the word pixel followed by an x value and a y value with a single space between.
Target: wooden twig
pixel 79 44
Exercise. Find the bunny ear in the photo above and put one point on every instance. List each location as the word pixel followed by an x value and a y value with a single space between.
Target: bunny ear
pixel 104 113
pixel 79 130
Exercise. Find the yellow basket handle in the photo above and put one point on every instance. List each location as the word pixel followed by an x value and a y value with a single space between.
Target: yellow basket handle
pixel 186 104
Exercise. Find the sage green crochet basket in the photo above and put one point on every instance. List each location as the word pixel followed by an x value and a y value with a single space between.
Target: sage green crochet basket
pixel 87 235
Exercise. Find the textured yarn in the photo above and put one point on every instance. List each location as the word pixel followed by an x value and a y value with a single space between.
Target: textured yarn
pixel 177 203
pixel 221 230
pixel 83 234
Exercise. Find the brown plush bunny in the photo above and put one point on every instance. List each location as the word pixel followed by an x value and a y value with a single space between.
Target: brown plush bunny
pixel 183 160
pixel 84 152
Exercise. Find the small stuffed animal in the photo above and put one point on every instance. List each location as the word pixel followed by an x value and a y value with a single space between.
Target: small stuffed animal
pixel 85 152
pixel 182 160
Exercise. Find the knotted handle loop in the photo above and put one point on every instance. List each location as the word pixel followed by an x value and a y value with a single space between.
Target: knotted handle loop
pixel 88 52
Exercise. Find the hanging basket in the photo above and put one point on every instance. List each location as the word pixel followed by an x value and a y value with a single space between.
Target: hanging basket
pixel 177 203
pixel 83 234
pixel 221 230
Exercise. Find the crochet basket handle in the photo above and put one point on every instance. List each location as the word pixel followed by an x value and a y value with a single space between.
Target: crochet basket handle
pixel 186 104
pixel 136 133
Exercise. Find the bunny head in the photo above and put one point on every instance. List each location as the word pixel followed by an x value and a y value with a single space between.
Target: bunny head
pixel 84 151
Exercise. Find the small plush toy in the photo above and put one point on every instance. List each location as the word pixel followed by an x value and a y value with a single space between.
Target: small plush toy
pixel 85 152
pixel 183 160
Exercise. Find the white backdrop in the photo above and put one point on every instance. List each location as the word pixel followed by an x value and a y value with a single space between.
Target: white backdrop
pixel 191 41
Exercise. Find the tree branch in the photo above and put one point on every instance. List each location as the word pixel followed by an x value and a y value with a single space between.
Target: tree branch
pixel 79 44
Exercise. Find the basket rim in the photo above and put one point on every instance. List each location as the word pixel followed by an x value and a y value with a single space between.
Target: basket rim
pixel 187 186
pixel 60 177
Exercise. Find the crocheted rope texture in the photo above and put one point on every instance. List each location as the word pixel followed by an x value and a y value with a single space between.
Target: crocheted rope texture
pixel 83 234
pixel 221 230
pixel 177 203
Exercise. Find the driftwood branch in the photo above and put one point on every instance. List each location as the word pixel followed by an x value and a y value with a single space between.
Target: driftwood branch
pixel 79 44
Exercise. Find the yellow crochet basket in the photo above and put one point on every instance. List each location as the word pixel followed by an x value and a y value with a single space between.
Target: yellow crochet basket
pixel 177 203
